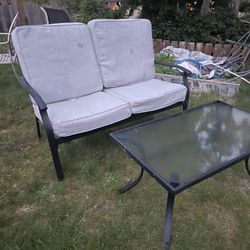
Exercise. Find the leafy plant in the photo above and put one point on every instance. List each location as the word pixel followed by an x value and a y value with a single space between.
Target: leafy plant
pixel 94 9
pixel 214 27
pixel 168 59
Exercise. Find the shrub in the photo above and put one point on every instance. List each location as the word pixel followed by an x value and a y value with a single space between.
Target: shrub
pixel 92 9
pixel 214 27
pixel 165 59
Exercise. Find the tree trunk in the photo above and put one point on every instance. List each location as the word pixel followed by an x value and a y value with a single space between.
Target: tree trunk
pixel 205 7
pixel 22 17
pixel 235 5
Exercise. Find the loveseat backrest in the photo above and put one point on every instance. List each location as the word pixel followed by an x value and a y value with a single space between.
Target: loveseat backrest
pixel 58 60
pixel 124 49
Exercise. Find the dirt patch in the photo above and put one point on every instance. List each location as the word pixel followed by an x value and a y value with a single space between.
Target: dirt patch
pixel 26 209
pixel 223 221
pixel 244 186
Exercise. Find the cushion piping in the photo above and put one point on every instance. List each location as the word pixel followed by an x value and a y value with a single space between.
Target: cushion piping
pixel 93 114
pixel 139 102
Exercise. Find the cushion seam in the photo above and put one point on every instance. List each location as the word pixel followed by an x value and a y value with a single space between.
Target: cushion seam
pixel 25 63
pixel 148 99
pixel 90 115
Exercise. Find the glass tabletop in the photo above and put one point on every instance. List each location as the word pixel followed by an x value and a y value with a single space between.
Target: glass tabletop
pixel 181 150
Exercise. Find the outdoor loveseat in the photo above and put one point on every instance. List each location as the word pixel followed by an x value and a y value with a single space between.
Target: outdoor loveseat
pixel 83 78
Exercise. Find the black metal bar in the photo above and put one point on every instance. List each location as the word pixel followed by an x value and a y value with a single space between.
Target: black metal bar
pixel 132 184
pixel 38 128
pixel 247 165
pixel 185 74
pixel 168 221
pixel 186 84
pixel 47 125
pixel 184 70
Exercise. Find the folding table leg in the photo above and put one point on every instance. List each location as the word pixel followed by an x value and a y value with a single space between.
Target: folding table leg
pixel 247 165
pixel 185 106
pixel 168 221
pixel 132 184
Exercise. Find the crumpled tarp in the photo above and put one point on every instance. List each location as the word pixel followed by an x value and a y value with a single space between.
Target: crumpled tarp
pixel 200 64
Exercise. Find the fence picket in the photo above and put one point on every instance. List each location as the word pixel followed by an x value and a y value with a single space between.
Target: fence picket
pixel 199 47
pixel 158 45
pixel 182 45
pixel 166 43
pixel 217 49
pixel 207 48
pixel 191 46
pixel 226 50
pixel 175 44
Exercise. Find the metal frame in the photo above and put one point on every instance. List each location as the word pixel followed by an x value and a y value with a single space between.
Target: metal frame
pixel 55 141
pixel 168 221
pixel 132 184
pixel 247 165
pixel 173 192
pixel 45 15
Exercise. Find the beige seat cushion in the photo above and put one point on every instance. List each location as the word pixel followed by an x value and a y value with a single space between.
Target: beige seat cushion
pixel 85 113
pixel 150 95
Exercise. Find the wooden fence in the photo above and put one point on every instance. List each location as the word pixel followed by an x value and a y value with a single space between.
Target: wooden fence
pixel 8 10
pixel 207 48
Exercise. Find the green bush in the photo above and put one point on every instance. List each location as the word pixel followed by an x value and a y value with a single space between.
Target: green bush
pixel 162 69
pixel 245 6
pixel 214 27
pixel 94 9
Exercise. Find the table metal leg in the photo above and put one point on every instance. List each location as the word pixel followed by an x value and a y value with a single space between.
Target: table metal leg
pixel 247 165
pixel 132 184
pixel 168 221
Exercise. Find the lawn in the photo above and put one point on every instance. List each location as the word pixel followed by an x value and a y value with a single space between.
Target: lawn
pixel 85 211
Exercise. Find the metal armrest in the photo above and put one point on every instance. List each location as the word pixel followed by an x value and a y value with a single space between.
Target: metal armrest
pixel 38 99
pixel 47 126
pixel 185 71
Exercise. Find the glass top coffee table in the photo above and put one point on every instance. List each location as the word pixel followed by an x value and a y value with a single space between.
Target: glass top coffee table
pixel 181 150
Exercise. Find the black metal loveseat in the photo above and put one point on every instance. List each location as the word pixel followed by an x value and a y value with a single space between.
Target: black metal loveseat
pixel 85 78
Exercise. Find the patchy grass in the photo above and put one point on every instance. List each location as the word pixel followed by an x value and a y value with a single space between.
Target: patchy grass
pixel 86 212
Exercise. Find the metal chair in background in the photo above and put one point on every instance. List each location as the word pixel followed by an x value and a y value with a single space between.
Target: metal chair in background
pixel 55 15
pixel 6 58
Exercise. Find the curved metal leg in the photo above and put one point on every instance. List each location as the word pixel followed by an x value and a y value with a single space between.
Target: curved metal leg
pixel 38 128
pixel 184 106
pixel 55 156
pixel 53 145
pixel 186 84
pixel 168 221
pixel 132 184
pixel 247 165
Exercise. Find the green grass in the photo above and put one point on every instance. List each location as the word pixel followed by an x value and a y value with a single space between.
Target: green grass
pixel 85 211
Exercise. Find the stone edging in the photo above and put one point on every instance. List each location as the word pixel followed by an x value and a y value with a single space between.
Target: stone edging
pixel 221 87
